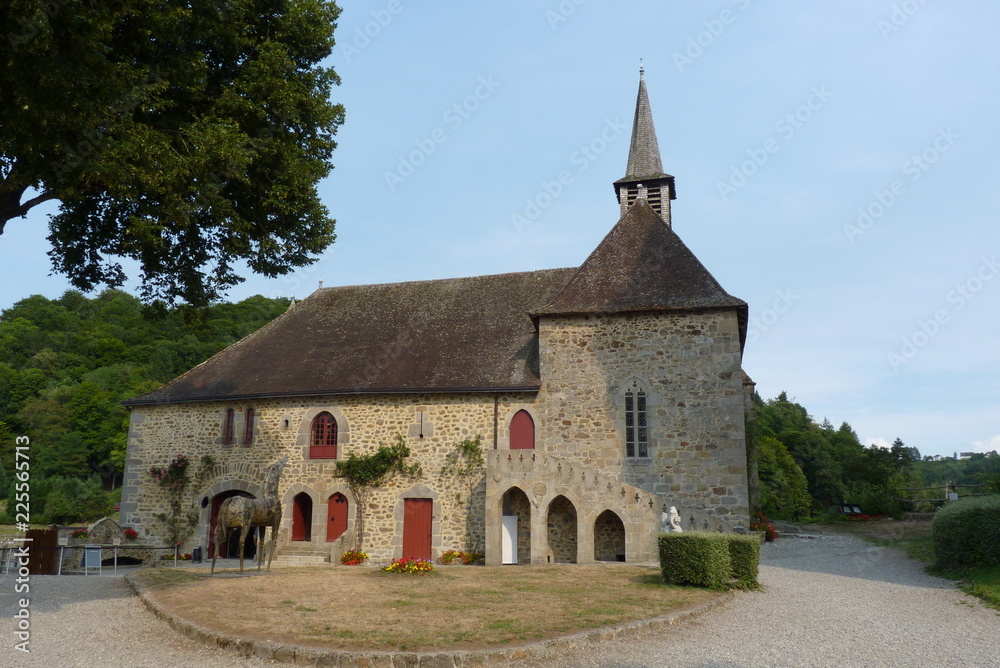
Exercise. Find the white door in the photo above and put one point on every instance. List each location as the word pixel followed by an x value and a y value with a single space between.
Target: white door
pixel 508 541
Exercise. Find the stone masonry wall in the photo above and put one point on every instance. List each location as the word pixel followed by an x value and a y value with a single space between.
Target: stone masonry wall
pixel 159 432
pixel 688 364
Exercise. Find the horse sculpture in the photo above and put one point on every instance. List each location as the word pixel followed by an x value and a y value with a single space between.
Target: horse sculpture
pixel 248 514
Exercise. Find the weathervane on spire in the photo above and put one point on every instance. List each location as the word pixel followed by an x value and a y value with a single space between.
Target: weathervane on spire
pixel 642 70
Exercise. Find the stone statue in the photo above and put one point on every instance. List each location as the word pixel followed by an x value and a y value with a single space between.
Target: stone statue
pixel 248 514
pixel 670 521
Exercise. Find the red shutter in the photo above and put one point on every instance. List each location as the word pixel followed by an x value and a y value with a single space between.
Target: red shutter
pixel 417 527
pixel 522 432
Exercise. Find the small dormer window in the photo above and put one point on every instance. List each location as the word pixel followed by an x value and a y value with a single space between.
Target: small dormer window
pixel 636 432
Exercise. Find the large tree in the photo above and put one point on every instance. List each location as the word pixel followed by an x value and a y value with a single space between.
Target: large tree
pixel 187 135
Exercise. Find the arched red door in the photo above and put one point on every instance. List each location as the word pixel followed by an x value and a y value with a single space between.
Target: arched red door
pixel 522 431
pixel 336 517
pixel 302 512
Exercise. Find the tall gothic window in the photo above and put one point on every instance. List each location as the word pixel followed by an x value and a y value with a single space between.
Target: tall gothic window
pixel 636 432
pixel 248 429
pixel 227 427
pixel 323 437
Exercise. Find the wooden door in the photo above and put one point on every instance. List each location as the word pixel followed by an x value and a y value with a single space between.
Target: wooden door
pixel 336 517
pixel 417 527
pixel 302 511
pixel 522 431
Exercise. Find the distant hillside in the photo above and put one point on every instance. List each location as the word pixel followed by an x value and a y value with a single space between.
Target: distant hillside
pixel 66 365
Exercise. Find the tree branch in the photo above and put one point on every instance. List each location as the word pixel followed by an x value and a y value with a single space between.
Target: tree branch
pixel 11 206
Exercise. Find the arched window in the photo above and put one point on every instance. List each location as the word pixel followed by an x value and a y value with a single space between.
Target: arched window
pixel 323 437
pixel 636 438
pixel 522 431
pixel 248 429
pixel 227 427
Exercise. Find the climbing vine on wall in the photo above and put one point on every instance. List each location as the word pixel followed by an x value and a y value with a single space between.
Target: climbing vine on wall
pixel 467 466
pixel 179 522
pixel 365 474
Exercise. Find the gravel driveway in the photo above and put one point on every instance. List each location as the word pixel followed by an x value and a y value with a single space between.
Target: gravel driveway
pixel 829 601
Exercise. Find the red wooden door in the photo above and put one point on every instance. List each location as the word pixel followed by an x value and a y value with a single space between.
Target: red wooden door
pixel 522 431
pixel 302 507
pixel 336 517
pixel 417 526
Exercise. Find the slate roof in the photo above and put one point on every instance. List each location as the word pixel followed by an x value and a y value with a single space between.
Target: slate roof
pixel 461 334
pixel 644 150
pixel 642 265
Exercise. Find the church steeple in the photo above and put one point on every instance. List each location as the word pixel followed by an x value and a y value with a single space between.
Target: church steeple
pixel 644 177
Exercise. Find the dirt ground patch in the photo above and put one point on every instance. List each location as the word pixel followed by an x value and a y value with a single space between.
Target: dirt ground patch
pixel 457 607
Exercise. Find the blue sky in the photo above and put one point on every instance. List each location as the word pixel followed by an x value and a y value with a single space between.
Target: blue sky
pixel 835 167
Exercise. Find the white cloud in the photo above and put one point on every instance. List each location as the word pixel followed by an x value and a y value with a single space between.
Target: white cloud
pixel 879 441
pixel 990 444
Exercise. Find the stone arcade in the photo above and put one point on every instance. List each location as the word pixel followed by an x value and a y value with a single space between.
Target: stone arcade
pixel 604 394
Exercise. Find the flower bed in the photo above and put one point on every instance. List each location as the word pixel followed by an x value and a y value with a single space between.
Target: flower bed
pixel 409 565
pixel 353 558
pixel 449 556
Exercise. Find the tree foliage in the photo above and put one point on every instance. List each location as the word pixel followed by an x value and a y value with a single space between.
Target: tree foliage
pixel 366 473
pixel 807 467
pixel 188 136
pixel 67 364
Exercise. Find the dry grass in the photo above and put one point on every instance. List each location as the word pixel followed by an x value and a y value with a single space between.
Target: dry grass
pixel 454 608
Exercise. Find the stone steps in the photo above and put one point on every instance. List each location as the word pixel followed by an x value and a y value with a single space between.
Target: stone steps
pixel 296 555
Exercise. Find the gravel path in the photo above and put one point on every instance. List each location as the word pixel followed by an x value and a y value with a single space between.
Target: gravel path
pixel 96 621
pixel 829 601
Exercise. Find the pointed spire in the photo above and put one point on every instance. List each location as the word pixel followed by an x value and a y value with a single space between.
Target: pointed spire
pixel 644 176
pixel 644 151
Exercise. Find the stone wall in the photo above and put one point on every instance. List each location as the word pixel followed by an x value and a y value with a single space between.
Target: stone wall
pixel 688 365
pixel 431 424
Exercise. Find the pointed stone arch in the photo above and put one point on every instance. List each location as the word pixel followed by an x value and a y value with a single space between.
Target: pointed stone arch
pixel 561 520
pixel 609 537
pixel 515 538
pixel 316 519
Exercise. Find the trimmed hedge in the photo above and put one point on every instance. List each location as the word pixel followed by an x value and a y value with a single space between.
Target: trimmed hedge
pixel 695 558
pixel 744 556
pixel 967 533
pixel 707 559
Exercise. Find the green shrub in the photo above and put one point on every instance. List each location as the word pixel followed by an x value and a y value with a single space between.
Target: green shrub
pixel 967 533
pixel 695 558
pixel 744 557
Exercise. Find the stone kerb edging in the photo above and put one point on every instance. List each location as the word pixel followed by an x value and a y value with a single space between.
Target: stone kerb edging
pixel 330 658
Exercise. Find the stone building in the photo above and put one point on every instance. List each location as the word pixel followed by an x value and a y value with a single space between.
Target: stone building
pixel 603 394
